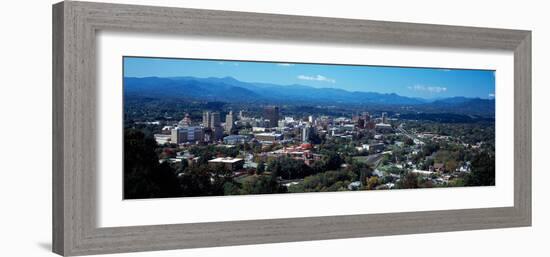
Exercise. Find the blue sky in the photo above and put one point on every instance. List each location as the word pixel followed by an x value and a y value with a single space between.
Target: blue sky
pixel 412 82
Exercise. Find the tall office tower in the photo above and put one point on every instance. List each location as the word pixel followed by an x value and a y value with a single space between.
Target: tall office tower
pixel 306 131
pixel 215 119
pixel 207 135
pixel 217 133
pixel 366 116
pixel 272 114
pixel 206 119
pixel 370 125
pixel 384 118
pixel 360 123
pixel 229 121
pixel 217 130
pixel 310 119
pixel 241 114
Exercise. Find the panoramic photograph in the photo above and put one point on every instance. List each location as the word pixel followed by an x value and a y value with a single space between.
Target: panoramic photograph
pixel 197 127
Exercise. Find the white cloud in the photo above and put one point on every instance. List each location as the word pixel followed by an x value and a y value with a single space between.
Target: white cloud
pixel 285 64
pixel 430 89
pixel 317 78
pixel 492 95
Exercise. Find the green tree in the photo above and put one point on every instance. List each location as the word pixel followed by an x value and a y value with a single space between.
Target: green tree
pixel 196 181
pixel 361 170
pixel 483 171
pixel 333 161
pixel 288 168
pixel 261 168
pixel 261 185
pixel 410 180
pixel 324 182
pixel 314 138
pixel 230 188
pixel 318 167
pixel 451 165
pixel 144 177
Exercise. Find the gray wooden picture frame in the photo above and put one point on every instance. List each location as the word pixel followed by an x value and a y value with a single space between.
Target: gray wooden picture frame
pixel 75 25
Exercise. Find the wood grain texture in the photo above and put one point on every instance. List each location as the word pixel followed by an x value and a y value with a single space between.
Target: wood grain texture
pixel 58 191
pixel 522 128
pixel 75 25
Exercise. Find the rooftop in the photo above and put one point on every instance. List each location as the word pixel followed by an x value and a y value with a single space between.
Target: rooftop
pixel 236 137
pixel 226 160
pixel 269 134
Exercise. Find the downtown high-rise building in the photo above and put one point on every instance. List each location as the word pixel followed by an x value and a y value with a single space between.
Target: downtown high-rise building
pixel 212 122
pixel 306 132
pixel 366 116
pixel 272 114
pixel 206 119
pixel 215 119
pixel 360 123
pixel 229 122
pixel 215 125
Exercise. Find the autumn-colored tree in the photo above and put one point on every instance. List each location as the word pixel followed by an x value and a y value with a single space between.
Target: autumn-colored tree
pixel 451 165
pixel 372 182
pixel 410 181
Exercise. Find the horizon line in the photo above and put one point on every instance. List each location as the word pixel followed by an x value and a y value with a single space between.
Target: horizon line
pixel 288 85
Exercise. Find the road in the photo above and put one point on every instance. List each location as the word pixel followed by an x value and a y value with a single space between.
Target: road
pixel 374 159
pixel 409 135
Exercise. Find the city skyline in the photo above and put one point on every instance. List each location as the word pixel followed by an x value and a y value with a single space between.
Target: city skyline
pixel 428 83
pixel 191 131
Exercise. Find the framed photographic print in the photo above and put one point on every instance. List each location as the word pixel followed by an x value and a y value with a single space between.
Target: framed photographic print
pixel 183 128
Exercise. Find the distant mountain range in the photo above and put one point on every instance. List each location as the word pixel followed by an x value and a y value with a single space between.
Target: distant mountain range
pixel 231 90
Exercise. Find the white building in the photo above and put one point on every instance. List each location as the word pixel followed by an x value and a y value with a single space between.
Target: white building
pixel 425 173
pixel 187 134
pixel 383 128
pixel 230 163
pixel 229 122
pixel 258 129
pixel 268 137
pixel 162 138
